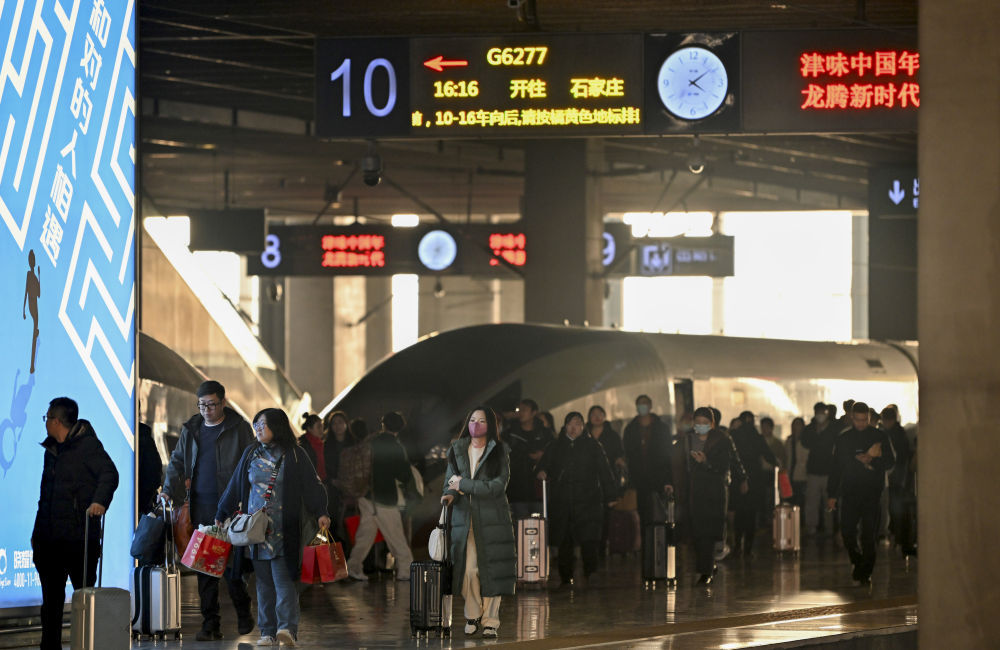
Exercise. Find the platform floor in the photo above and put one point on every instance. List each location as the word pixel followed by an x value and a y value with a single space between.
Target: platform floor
pixel 763 600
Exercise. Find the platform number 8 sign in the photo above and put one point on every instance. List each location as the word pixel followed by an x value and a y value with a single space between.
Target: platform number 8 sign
pixel 271 257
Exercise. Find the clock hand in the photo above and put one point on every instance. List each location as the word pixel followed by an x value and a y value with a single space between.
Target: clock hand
pixel 695 84
pixel 698 78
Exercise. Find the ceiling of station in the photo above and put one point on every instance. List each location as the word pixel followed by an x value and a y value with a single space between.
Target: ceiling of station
pixel 227 93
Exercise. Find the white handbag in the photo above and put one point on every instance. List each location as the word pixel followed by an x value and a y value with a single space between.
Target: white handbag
pixel 246 530
pixel 437 544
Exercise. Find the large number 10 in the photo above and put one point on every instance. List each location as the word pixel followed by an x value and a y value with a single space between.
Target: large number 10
pixel 345 71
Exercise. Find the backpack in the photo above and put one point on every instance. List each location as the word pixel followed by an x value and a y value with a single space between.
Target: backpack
pixel 355 476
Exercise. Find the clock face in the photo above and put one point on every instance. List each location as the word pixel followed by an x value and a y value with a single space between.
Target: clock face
pixel 437 250
pixel 692 83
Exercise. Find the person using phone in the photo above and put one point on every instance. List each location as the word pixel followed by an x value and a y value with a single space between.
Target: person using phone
pixel 862 456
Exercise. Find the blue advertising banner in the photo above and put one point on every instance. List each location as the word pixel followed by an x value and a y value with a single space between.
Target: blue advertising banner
pixel 67 253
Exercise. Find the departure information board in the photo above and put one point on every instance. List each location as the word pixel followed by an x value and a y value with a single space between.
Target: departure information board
pixel 466 86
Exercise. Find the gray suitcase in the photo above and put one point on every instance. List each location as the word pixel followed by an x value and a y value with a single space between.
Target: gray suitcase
pixel 156 594
pixel 532 545
pixel 99 617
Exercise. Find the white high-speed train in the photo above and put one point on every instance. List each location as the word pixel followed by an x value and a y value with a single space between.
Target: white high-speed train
pixel 434 381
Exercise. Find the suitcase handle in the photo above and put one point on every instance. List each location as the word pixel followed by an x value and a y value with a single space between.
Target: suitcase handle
pixel 86 544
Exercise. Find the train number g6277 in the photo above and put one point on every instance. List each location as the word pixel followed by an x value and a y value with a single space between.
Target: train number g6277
pixel 517 55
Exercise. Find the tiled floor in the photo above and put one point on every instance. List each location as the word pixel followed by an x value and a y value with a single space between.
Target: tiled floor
pixel 765 599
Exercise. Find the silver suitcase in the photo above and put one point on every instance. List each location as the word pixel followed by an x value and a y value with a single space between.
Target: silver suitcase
pixel 156 594
pixel 532 545
pixel 786 528
pixel 99 617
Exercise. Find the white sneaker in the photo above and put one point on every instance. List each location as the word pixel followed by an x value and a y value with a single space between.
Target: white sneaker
pixel 286 639
pixel 266 641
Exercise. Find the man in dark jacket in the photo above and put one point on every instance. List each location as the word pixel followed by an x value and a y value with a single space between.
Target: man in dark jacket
pixel 648 444
pixel 862 456
pixel 752 449
pixel 207 452
pixel 78 481
pixel 818 437
pixel 528 438
pixel 380 507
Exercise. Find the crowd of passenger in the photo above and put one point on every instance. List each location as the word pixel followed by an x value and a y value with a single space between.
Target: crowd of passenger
pixel 852 475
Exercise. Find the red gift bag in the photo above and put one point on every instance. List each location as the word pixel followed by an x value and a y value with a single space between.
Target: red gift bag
pixel 352 524
pixel 206 554
pixel 323 562
pixel 784 485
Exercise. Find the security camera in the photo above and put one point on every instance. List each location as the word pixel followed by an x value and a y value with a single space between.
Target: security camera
pixel 696 163
pixel 371 168
pixel 695 160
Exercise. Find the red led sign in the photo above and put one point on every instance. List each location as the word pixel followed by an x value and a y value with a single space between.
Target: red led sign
pixel 852 80
pixel 353 251
pixel 509 246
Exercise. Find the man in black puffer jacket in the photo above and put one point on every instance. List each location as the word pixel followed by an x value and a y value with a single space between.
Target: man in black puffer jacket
pixel 207 453
pixel 78 481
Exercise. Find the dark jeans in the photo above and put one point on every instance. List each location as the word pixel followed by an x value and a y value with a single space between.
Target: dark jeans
pixel 208 587
pixel 902 511
pixel 567 561
pixel 55 561
pixel 865 512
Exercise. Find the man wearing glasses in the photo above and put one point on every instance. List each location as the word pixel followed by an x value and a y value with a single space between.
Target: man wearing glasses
pixel 207 452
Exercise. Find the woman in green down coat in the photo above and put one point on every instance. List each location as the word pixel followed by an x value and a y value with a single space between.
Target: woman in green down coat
pixel 482 536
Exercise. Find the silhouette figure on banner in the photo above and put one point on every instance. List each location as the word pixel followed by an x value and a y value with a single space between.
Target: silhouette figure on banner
pixel 12 427
pixel 32 291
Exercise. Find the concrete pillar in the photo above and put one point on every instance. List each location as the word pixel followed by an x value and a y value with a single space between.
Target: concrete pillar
pixel 378 324
pixel 958 316
pixel 309 336
pixel 349 307
pixel 562 220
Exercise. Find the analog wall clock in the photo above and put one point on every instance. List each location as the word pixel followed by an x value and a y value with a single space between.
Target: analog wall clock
pixel 692 83
pixel 437 250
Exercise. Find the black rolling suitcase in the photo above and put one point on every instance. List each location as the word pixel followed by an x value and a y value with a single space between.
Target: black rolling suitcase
pixel 659 549
pixel 430 592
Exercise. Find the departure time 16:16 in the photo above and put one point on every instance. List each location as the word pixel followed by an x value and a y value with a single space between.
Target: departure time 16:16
pixel 447 89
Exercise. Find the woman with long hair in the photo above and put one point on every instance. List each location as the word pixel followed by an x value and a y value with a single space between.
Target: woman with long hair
pixel 276 474
pixel 482 535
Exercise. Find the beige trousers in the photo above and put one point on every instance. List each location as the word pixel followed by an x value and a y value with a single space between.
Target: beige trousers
pixel 376 517
pixel 475 605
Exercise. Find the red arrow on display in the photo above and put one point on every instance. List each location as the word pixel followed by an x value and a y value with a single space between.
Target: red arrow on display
pixel 439 64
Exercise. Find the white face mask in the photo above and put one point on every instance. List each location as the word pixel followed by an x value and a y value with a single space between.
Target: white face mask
pixel 642 409
pixel 702 429
pixel 820 418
